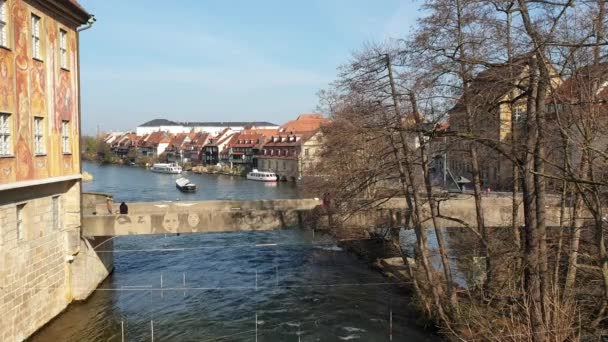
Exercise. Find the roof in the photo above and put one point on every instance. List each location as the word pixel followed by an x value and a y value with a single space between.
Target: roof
pixel 229 124
pixel 178 139
pixel 583 82
pixel 219 140
pixel 75 8
pixel 165 122
pixel 491 85
pixel 247 140
pixel 299 139
pixel 159 122
pixel 305 123
pixel 266 132
pixel 156 137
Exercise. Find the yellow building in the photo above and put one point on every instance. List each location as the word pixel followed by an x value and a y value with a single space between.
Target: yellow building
pixel 495 99
pixel 39 161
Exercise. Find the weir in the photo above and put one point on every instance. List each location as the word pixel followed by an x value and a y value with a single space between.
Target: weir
pixel 226 216
pixel 198 217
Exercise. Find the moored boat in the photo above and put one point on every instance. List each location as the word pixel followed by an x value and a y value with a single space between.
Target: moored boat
pixel 166 168
pixel 262 176
pixel 184 184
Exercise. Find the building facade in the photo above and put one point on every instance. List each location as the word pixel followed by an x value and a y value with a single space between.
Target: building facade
pixel 40 171
pixel 213 128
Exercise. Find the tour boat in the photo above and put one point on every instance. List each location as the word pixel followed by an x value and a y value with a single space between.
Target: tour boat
pixel 184 184
pixel 166 168
pixel 262 176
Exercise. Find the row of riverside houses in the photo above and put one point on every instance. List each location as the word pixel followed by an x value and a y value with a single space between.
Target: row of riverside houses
pixel 287 150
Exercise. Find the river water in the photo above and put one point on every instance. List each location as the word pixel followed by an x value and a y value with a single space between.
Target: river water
pixel 244 286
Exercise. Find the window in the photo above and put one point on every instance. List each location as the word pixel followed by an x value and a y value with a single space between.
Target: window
pixel 63 48
pixel 36 53
pixel 5 135
pixel 20 225
pixel 3 23
pixel 306 152
pixel 65 136
pixel 519 115
pixel 55 205
pixel 38 135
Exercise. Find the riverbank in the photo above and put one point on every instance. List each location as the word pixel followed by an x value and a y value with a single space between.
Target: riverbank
pixel 381 256
pixel 217 170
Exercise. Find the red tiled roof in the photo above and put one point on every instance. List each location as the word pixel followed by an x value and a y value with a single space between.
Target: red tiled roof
pixel 266 132
pixel 155 138
pixel 305 123
pixel 247 140
pixel 178 139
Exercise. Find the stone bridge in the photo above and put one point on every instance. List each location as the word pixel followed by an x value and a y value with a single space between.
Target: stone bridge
pixel 225 216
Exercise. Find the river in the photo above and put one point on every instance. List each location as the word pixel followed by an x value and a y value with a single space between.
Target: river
pixel 243 286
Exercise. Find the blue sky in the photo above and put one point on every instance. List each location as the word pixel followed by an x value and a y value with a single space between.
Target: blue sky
pixel 220 60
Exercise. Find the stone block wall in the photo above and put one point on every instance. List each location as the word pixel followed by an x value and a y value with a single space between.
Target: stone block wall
pixel 40 253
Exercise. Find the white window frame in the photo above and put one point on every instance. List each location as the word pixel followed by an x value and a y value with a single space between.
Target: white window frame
pixel 4 20
pixel 63 48
pixel 36 46
pixel 6 146
pixel 39 142
pixel 65 137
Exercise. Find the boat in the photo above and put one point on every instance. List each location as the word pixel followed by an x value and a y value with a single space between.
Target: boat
pixel 166 168
pixel 263 176
pixel 184 184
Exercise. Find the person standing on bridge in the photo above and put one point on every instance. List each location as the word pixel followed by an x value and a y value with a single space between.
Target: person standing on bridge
pixel 124 209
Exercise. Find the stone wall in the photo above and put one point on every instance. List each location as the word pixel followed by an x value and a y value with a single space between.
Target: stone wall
pixel 43 260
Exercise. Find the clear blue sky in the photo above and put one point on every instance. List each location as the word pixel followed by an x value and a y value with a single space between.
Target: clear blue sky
pixel 220 60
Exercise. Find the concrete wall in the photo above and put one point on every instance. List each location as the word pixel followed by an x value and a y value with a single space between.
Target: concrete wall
pixel 44 263
pixel 198 217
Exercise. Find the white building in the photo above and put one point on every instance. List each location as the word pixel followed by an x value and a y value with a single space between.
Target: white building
pixel 213 128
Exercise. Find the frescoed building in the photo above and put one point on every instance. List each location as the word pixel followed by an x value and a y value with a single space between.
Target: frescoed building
pixel 40 170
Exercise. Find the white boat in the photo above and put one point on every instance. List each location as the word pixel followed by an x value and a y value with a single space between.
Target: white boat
pixel 263 176
pixel 166 168
pixel 184 184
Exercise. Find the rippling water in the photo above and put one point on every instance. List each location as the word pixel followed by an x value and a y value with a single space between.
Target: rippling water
pixel 277 286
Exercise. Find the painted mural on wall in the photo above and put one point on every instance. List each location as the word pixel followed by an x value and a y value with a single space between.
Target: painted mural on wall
pixel 25 169
pixel 31 88
pixel 7 89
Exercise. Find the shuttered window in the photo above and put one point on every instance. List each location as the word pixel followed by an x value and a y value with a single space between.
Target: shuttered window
pixel 63 48
pixel 36 53
pixel 5 135
pixel 65 136
pixel 39 135
pixel 3 23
